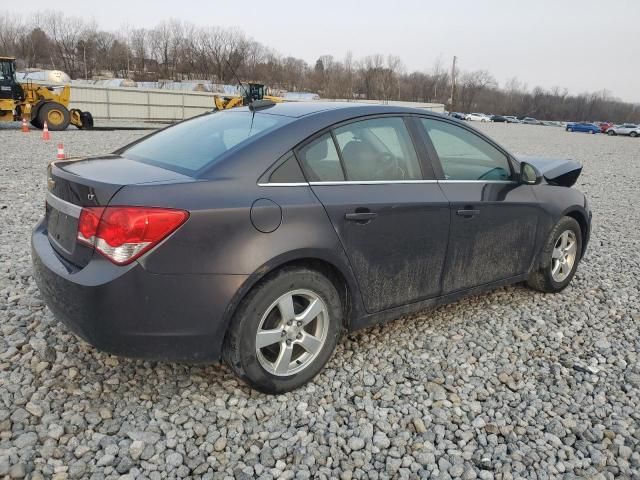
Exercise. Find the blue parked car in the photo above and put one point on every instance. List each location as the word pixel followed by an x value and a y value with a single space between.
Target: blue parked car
pixel 583 127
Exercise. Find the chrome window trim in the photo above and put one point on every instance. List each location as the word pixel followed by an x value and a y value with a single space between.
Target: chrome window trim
pixel 372 182
pixel 376 182
pixel 476 181
pixel 63 206
pixel 284 184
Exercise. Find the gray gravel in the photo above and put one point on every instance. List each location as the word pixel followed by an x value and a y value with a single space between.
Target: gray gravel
pixel 513 384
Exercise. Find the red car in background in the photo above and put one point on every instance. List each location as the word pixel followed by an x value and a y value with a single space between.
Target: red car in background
pixel 604 126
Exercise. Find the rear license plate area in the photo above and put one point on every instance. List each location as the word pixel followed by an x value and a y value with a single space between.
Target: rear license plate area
pixel 62 229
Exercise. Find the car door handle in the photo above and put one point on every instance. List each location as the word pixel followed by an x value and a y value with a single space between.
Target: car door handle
pixel 468 212
pixel 360 216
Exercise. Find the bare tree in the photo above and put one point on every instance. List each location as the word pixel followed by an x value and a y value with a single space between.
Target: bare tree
pixel 471 84
pixel 177 50
pixel 11 26
pixel 65 33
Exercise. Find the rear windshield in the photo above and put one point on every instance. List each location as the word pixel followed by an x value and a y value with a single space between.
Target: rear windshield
pixel 197 143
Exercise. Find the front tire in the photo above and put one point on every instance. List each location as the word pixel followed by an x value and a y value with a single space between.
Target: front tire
pixel 569 129
pixel 611 133
pixel 559 258
pixel 285 330
pixel 633 134
pixel 55 114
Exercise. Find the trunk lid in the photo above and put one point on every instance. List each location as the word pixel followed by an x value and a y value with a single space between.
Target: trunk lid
pixel 556 171
pixel 90 182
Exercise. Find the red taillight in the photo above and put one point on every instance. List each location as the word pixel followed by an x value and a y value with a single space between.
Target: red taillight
pixel 122 234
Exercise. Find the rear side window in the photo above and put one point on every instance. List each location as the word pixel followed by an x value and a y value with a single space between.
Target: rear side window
pixel 287 172
pixel 378 149
pixel 197 143
pixel 320 160
pixel 464 155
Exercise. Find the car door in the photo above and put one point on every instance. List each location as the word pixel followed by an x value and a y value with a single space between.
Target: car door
pixel 385 206
pixel 494 218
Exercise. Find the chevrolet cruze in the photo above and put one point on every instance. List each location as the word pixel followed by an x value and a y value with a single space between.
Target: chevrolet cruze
pixel 257 235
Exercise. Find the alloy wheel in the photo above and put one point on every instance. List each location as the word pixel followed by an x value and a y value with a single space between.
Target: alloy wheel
pixel 564 256
pixel 292 332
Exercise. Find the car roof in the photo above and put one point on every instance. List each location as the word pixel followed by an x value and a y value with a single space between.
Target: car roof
pixel 302 109
pixel 306 119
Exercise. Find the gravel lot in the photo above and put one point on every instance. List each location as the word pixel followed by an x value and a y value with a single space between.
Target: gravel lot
pixel 513 384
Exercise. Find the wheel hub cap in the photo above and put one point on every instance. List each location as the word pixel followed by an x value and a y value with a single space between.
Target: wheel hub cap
pixel 55 117
pixel 292 332
pixel 564 256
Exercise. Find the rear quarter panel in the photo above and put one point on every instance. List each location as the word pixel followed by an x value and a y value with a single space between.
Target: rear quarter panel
pixel 219 237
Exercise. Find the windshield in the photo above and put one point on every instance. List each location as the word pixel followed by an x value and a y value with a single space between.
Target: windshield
pixel 6 70
pixel 197 143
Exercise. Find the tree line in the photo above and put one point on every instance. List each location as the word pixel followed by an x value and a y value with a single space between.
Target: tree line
pixel 177 50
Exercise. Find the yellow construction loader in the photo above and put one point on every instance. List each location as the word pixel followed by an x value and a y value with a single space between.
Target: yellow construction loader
pixel 37 103
pixel 251 92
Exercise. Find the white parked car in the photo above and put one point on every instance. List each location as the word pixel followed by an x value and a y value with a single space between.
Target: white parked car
pixel 512 119
pixel 478 117
pixel 624 129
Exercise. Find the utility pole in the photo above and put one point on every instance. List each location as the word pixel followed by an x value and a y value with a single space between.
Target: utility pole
pixel 84 57
pixel 453 86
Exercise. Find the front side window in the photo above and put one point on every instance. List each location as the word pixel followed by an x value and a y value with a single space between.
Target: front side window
pixel 320 160
pixel 197 143
pixel 378 149
pixel 464 155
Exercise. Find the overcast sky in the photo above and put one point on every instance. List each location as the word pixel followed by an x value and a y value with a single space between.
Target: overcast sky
pixel 583 45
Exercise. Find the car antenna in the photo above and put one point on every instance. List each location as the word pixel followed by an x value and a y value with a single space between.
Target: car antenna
pixel 253 104
pixel 246 93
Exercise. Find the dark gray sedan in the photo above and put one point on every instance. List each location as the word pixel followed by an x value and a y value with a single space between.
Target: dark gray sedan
pixel 258 235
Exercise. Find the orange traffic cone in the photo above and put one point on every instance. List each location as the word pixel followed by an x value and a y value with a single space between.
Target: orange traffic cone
pixel 25 127
pixel 46 136
pixel 60 152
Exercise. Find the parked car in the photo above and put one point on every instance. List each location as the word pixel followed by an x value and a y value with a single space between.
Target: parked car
pixel 582 127
pixel 512 119
pixel 625 129
pixel 605 126
pixel 477 117
pixel 498 118
pixel 531 121
pixel 551 123
pixel 258 235
pixel 458 115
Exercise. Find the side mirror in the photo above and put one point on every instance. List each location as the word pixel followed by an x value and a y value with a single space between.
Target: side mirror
pixel 529 174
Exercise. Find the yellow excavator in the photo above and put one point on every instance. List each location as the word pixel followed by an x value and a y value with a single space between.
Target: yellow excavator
pixel 252 92
pixel 37 103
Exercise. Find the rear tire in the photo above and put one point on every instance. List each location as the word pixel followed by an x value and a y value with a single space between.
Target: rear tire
pixel 569 129
pixel 611 133
pixel 295 348
pixel 55 114
pixel 87 120
pixel 633 134
pixel 553 274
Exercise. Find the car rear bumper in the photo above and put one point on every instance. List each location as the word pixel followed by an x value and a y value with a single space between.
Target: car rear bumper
pixel 131 312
